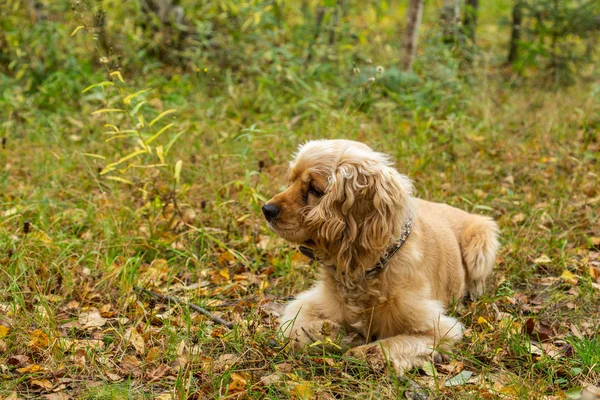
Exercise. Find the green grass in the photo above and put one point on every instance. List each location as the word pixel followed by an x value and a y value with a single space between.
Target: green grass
pixel 73 242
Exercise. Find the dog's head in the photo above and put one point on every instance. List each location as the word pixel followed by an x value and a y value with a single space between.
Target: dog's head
pixel 344 200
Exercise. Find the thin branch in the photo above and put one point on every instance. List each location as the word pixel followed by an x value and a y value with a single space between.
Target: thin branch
pixel 169 299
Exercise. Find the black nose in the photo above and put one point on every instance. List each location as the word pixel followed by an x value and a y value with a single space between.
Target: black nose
pixel 271 212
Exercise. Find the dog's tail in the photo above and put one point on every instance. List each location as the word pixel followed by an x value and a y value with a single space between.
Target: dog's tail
pixel 479 245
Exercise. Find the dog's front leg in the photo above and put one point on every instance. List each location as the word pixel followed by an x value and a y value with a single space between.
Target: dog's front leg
pixel 315 315
pixel 405 351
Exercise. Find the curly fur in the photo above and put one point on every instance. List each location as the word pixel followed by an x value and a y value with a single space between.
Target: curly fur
pixel 400 315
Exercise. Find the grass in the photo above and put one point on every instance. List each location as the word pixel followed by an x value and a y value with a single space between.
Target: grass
pixel 73 244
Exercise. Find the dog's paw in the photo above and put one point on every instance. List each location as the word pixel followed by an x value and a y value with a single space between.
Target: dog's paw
pixel 380 360
pixel 323 335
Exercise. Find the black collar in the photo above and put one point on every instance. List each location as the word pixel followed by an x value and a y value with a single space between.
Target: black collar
pixel 389 253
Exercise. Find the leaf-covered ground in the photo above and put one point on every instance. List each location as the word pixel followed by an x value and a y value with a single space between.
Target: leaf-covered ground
pixel 77 248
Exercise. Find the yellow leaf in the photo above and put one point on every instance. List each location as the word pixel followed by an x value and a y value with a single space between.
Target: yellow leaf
pixel 482 321
pixel 80 27
pixel 224 272
pixel 31 369
pixel 94 156
pixel 112 166
pixel 160 154
pixel 119 179
pixel 303 391
pixel 568 277
pixel 238 382
pixel 543 259
pixel 127 100
pixel 157 134
pixel 101 84
pixel 595 240
pixel 3 331
pixel 118 75
pixel 178 171
pixel 107 110
pixel 162 114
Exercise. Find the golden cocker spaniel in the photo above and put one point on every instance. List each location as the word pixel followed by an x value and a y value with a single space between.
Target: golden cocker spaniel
pixel 389 263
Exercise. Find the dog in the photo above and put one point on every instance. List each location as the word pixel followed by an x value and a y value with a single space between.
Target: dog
pixel 390 263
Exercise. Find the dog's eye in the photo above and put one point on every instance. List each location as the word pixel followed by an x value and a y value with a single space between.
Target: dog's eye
pixel 314 191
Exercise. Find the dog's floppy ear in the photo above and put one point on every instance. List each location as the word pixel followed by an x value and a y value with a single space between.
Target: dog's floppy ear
pixel 361 212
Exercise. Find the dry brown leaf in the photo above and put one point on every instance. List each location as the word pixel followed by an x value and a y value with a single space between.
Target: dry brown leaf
pixel 130 365
pixel 112 376
pixel 18 360
pixel 225 361
pixel 239 381
pixel 135 339
pixel 79 358
pixel 153 354
pixel 91 319
pixel 57 396
pixel 158 372
pixel 13 396
pixel 543 259
pixel 42 383
pixel 3 346
pixel 270 379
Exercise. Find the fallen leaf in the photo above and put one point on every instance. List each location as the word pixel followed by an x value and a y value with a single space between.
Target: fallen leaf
pixel 79 358
pixel 57 396
pixel 13 396
pixel 573 393
pixel 303 391
pixel 153 354
pixel 225 361
pixel 543 259
pixel 112 376
pixel 459 379
pixel 135 339
pixel 569 277
pixel 38 339
pixel 593 390
pixel 18 360
pixel 130 365
pixel 30 369
pixel 3 331
pixel 91 319
pixel 42 383
pixel 164 396
pixel 239 381
pixel 518 218
pixel 158 372
pixel 429 369
pixel 270 379
pixel 453 367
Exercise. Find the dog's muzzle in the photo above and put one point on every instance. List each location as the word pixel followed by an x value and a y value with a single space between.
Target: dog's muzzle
pixel 270 211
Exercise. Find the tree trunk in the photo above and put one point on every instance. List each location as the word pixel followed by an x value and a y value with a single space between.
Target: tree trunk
pixel 515 36
pixel 470 20
pixel 413 22
pixel 450 18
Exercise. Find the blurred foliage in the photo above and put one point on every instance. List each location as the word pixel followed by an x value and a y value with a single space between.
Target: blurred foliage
pixel 559 36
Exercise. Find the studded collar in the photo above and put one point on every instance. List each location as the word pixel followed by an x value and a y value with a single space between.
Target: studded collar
pixel 389 253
